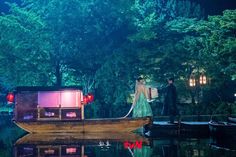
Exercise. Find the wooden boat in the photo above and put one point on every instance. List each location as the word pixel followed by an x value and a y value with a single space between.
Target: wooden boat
pixel 85 126
pixel 59 110
pixel 183 129
pixel 232 119
pixel 198 129
pixel 222 129
pixel 164 129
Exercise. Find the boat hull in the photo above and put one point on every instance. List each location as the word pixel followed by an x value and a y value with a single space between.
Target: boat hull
pixel 85 126
pixel 183 129
pixel 232 119
pixel 222 129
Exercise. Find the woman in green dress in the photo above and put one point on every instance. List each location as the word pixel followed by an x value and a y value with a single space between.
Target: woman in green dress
pixel 140 106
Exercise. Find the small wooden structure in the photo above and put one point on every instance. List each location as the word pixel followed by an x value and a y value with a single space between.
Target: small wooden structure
pixel 52 109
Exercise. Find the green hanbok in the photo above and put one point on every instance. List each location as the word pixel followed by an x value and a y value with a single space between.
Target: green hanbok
pixel 142 108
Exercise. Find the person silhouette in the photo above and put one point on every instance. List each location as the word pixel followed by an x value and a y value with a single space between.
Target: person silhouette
pixel 170 100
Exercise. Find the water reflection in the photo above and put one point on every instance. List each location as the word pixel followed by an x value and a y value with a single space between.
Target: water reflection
pixel 112 145
pixel 223 144
pixel 116 145
pixel 80 145
pixel 170 150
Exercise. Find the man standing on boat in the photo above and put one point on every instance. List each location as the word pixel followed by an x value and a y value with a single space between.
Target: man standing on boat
pixel 170 99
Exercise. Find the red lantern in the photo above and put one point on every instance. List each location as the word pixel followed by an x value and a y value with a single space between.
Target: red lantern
pixel 85 99
pixel 10 97
pixel 90 97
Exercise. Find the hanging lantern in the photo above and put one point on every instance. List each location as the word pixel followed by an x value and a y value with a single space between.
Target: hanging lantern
pixel 90 97
pixel 10 98
pixel 202 79
pixel 192 81
pixel 85 99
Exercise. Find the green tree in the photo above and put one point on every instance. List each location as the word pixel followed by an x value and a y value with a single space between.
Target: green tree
pixel 23 48
pixel 210 42
pixel 210 46
pixel 149 17
pixel 159 49
pixel 82 34
pixel 115 82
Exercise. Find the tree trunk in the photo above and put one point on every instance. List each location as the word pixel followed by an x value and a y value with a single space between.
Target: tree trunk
pixel 58 75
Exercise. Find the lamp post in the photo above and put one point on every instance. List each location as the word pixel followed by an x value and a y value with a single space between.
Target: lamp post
pixel 202 82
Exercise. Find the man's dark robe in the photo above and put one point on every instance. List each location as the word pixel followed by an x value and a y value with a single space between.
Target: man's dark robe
pixel 170 100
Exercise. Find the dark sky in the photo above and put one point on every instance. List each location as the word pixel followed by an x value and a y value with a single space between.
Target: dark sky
pixel 211 7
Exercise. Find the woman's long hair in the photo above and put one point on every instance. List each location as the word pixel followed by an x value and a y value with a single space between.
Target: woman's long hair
pixel 137 83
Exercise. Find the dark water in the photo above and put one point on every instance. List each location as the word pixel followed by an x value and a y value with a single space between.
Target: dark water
pixel 14 142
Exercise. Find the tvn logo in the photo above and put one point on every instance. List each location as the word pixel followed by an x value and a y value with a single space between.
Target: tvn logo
pixel 133 145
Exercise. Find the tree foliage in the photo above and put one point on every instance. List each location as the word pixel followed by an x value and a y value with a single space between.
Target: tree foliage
pixel 115 81
pixel 149 17
pixel 210 45
pixel 23 48
pixel 210 42
pixel 104 45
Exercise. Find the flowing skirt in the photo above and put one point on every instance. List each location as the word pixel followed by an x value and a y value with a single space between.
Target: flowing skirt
pixel 142 108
